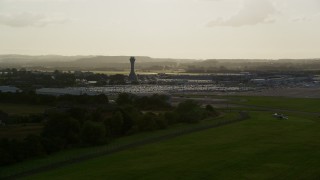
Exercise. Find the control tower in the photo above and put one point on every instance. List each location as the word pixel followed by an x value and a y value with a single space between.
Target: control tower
pixel 132 76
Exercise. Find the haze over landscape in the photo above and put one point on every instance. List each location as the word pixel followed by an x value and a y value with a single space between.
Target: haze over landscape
pixel 160 89
pixel 184 29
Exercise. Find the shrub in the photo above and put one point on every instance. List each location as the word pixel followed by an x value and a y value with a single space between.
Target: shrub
pixel 171 117
pixel 189 111
pixel 114 124
pixel 62 126
pixel 93 133
pixel 147 122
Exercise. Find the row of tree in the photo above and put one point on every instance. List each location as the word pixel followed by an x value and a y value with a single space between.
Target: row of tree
pixel 155 101
pixel 82 126
pixel 30 80
pixel 32 98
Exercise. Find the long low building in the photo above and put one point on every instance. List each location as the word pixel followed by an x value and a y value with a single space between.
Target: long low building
pixel 59 91
pixel 11 89
pixel 138 89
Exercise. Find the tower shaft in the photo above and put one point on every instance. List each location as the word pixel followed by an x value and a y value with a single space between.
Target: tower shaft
pixel 132 76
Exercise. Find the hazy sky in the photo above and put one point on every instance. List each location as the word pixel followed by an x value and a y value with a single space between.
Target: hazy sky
pixel 162 28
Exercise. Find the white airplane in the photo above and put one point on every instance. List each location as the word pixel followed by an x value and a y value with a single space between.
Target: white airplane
pixel 280 116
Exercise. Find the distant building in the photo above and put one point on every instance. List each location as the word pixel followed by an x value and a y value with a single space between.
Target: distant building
pixel 132 76
pixel 67 91
pixel 59 91
pixel 259 81
pixel 10 89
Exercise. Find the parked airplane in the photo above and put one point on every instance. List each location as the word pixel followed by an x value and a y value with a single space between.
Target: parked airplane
pixel 280 116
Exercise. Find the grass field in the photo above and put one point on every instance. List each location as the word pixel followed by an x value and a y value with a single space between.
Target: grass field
pixel 259 148
pixel 20 131
pixel 299 104
pixel 21 109
pixel 78 152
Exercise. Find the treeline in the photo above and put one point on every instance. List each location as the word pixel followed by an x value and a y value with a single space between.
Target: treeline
pixel 229 66
pixel 32 98
pixel 31 80
pixel 155 101
pixel 78 127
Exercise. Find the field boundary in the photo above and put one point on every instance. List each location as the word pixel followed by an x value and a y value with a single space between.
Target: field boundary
pixel 114 149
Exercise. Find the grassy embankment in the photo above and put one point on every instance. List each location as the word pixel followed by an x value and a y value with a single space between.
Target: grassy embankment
pixel 78 152
pixel 259 148
pixel 298 104
pixel 285 103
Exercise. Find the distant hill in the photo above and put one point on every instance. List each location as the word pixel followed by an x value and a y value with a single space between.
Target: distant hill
pixel 112 59
pixel 12 58
pixel 125 59
pixel 148 63
pixel 56 61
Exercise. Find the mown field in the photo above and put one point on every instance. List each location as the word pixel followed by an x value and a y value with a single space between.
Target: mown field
pixel 259 148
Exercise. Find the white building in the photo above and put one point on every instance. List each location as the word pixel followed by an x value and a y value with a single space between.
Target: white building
pixel 10 89
pixel 59 91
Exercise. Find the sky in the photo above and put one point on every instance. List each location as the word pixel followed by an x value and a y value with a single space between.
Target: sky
pixel 193 29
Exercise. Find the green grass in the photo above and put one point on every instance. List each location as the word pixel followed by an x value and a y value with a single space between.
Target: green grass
pixel 72 153
pixel 259 148
pixel 299 104
pixel 21 109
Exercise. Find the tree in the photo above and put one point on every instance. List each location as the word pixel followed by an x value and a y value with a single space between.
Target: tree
pixel 93 133
pixel 117 79
pixel 152 102
pixel 161 121
pixel 33 146
pixel 147 122
pixel 189 111
pixel 125 98
pixel 64 127
pixel 114 124
pixel 171 117
pixel 3 117
pixel 101 99
pixel 211 111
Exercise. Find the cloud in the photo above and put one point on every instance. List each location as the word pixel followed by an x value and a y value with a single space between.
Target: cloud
pixel 26 19
pixel 253 12
pixel 300 19
pixel 44 1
